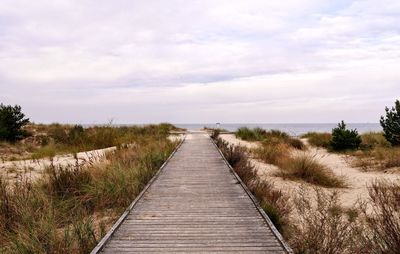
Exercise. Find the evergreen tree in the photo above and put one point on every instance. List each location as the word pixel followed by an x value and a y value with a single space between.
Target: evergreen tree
pixel 391 124
pixel 343 138
pixel 11 122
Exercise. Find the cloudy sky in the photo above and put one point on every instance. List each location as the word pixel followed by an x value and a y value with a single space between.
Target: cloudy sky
pixel 183 61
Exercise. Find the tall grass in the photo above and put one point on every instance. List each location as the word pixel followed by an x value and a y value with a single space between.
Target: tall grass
pixel 245 133
pixel 308 169
pixel 322 225
pixel 316 222
pixel 376 153
pixel 67 210
pixel 271 136
pixel 318 139
pixel 382 217
pixel 53 139
pixel 303 167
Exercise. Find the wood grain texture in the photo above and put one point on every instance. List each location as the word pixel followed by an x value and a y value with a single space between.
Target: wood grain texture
pixel 196 205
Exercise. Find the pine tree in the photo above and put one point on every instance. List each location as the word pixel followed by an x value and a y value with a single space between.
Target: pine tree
pixel 391 124
pixel 11 122
pixel 343 138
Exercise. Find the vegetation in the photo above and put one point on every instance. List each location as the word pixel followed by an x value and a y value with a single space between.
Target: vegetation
pixel 391 124
pixel 343 139
pixel 11 122
pixel 271 136
pixel 53 139
pixel 306 168
pixel 316 222
pixel 322 225
pixel 376 153
pixel 302 167
pixel 383 223
pixel 318 139
pixel 245 133
pixel 70 209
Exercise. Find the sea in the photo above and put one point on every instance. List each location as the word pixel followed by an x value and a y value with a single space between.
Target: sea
pixel 294 129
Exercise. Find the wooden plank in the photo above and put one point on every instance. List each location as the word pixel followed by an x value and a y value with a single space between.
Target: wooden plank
pixel 196 204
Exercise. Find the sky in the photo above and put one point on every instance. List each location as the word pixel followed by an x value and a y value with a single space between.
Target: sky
pixel 205 61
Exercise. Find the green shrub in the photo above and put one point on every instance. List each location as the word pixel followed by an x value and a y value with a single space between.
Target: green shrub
pixel 343 138
pixel 11 122
pixel 391 124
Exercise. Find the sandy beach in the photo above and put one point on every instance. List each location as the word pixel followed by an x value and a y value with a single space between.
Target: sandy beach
pixel 356 180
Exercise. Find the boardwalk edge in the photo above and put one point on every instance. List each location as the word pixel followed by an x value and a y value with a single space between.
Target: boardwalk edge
pixel 256 203
pixel 100 245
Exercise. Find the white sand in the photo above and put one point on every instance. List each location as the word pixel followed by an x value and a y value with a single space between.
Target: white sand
pixel 356 180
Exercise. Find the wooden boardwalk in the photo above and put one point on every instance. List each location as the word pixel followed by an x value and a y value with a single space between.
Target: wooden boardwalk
pixel 195 205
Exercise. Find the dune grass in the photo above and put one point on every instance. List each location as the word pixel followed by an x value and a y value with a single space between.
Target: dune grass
pixel 376 153
pixel 302 167
pixel 320 224
pixel 47 141
pixel 308 169
pixel 70 208
pixel 318 139
pixel 271 136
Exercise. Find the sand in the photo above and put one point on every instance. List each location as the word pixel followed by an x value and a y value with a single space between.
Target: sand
pixel 357 180
pixel 35 168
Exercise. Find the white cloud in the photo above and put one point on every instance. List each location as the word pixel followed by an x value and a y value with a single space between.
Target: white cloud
pixel 196 61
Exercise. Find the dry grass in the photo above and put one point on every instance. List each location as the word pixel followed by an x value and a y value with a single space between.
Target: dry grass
pixel 318 139
pixel 272 153
pixel 64 212
pixel 308 169
pixel 301 167
pixel 315 222
pixel 382 217
pixel 271 136
pixel 323 226
pixel 376 153
pixel 49 140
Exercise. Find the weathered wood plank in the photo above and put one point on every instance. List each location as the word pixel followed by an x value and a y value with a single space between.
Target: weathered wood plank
pixel 196 205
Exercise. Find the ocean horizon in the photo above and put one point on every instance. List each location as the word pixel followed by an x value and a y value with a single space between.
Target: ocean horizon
pixel 293 129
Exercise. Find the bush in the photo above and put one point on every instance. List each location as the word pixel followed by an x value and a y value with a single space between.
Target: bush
pixel 11 122
pixel 343 138
pixel 391 124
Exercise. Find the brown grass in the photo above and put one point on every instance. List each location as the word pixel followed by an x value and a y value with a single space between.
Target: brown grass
pixel 322 225
pixel 382 215
pixel 65 211
pixel 308 169
pixel 272 153
pixel 315 222
pixel 302 167
pixel 318 139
